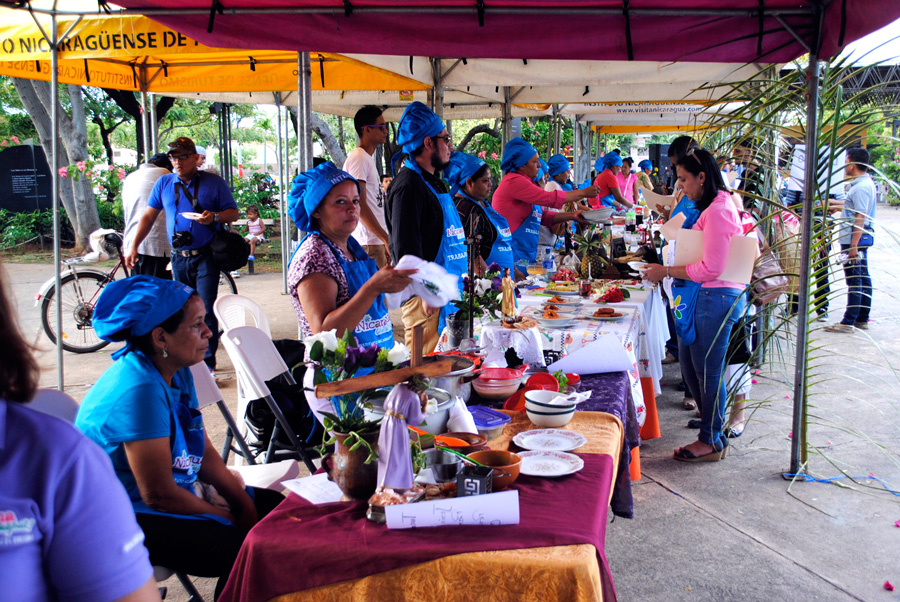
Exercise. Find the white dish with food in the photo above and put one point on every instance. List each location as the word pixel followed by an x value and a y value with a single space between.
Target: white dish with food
pixel 555 323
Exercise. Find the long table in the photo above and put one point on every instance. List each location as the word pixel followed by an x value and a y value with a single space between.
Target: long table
pixel 303 552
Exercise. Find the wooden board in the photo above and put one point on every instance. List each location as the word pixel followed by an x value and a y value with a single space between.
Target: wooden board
pixel 382 379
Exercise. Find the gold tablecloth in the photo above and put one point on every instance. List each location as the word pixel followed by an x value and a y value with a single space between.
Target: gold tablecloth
pixel 569 573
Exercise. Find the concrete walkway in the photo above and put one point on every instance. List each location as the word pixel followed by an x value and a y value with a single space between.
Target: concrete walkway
pixel 733 530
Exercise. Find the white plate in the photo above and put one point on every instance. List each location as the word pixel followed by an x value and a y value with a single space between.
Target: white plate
pixel 549 463
pixel 567 302
pixel 561 293
pixel 192 215
pixel 549 440
pixel 637 266
pixel 598 215
pixel 608 318
pixel 556 323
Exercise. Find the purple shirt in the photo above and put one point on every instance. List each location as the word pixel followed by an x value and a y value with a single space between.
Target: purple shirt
pixel 67 530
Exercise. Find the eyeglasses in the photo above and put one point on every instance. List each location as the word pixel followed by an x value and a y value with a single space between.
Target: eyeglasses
pixel 448 139
pixel 377 126
pixel 179 157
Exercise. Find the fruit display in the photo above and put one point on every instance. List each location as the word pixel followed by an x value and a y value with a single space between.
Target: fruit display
pixel 593 254
pixel 564 275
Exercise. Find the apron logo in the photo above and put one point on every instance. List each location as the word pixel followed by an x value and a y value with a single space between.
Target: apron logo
pixel 505 233
pixel 190 464
pixel 457 232
pixel 378 326
pixel 10 525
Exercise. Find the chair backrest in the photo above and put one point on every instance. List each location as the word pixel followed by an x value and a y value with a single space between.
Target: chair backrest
pixel 56 403
pixel 205 385
pixel 232 312
pixel 255 359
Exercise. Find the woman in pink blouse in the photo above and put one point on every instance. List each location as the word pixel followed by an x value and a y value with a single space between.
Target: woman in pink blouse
pixel 519 200
pixel 719 303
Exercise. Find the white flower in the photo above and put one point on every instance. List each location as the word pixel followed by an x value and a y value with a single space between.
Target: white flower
pixel 329 340
pixel 483 285
pixel 398 354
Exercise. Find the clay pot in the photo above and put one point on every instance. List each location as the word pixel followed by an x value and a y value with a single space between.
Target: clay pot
pixel 348 468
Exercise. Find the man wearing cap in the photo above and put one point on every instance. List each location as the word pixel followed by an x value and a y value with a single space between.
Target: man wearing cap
pixel 196 203
pixel 421 217
pixel 371 232
pixel 154 252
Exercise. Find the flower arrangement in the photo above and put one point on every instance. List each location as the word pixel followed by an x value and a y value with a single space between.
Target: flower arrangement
pixel 485 293
pixel 333 359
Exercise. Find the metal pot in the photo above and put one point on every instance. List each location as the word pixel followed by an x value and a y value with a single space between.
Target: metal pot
pixel 455 382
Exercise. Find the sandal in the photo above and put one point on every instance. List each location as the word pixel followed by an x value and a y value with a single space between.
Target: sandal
pixel 734 432
pixel 694 423
pixel 689 403
pixel 683 454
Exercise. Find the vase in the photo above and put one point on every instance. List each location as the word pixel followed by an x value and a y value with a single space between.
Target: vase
pixel 457 330
pixel 347 468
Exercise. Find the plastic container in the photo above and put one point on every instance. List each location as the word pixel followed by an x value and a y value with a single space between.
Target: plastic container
pixel 547 264
pixel 489 422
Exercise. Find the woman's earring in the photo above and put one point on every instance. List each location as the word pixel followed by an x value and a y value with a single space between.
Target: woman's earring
pixel 165 353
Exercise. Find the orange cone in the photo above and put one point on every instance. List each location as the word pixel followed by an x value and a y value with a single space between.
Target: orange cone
pixel 636 464
pixel 650 430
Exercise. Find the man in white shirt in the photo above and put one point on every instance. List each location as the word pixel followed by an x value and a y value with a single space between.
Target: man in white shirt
pixel 371 232
pixel 154 251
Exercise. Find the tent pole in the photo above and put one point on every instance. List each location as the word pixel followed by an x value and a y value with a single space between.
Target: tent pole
pixel 798 441
pixel 145 126
pixel 506 127
pixel 281 207
pixel 154 131
pixel 576 150
pixel 54 162
pixel 304 116
pixel 438 78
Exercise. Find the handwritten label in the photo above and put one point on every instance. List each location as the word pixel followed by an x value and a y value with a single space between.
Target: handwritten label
pixel 492 509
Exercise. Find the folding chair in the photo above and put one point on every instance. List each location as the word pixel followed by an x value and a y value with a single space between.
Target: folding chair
pixel 256 360
pixel 255 475
pixel 232 311
pixel 59 404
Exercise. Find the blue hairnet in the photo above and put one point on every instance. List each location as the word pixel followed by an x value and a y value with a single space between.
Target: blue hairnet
pixel 461 168
pixel 543 170
pixel 310 188
pixel 516 154
pixel 558 164
pixel 134 306
pixel 607 160
pixel 645 164
pixel 417 123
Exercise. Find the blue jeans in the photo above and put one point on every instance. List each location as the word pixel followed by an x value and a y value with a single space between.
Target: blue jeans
pixel 859 288
pixel 201 273
pixel 718 310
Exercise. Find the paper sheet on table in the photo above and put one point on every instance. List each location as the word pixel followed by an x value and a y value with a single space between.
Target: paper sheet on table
pixel 316 488
pixel 606 354
pixel 741 254
pixel 669 230
pixel 490 509
pixel 659 203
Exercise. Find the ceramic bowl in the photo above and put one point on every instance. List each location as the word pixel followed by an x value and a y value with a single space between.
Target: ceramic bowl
pixel 548 418
pixel 541 401
pixel 476 442
pixel 496 388
pixel 506 466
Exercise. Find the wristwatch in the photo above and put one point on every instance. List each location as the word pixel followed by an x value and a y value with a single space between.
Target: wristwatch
pixel 215 217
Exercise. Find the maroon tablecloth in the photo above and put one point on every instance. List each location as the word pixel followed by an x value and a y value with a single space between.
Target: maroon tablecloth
pixel 301 546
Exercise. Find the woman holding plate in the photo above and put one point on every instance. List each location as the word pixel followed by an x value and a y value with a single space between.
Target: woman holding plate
pixel 520 201
pixel 719 303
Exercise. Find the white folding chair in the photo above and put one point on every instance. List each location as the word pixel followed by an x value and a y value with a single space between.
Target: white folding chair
pixel 232 311
pixel 256 360
pixel 256 475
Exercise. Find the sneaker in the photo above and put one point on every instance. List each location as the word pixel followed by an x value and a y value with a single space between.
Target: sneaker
pixel 822 317
pixel 861 325
pixel 235 274
pixel 839 328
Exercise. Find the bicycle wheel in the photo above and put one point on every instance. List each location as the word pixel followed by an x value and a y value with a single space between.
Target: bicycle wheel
pixel 226 284
pixel 79 295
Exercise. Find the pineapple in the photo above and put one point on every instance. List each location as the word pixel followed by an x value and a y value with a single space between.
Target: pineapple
pixel 593 254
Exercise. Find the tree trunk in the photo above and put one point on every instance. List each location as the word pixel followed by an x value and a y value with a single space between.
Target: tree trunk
pixel 478 129
pixel 326 136
pixel 77 198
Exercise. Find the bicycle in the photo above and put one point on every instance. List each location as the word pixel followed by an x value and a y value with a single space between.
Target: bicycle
pixel 81 287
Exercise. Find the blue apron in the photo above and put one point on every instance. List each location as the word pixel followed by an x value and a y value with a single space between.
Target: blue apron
pixel 608 201
pixel 525 238
pixel 375 327
pixel 188 445
pixel 501 251
pixel 452 255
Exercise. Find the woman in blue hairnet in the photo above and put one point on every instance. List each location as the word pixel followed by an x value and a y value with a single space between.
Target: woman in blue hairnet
pixel 645 170
pixel 471 185
pixel 333 282
pixel 610 195
pixel 143 413
pixel 520 201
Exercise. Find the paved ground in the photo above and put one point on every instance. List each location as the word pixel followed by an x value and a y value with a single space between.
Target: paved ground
pixel 735 530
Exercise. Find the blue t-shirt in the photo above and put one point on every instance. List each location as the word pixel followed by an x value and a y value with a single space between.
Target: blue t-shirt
pixel 67 530
pixel 213 195
pixel 861 199
pixel 132 402
pixel 690 211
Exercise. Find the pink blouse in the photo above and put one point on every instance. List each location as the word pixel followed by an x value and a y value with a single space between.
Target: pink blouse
pixel 719 223
pixel 516 194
